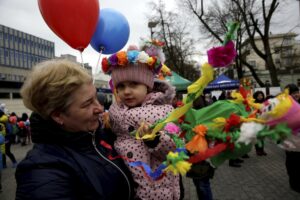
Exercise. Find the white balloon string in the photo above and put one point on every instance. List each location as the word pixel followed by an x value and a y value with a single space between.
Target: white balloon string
pixel 98 64
pixel 81 59
pixel 98 68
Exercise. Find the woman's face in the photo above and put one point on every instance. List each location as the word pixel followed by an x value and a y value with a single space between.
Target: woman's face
pixel 131 93
pixel 83 113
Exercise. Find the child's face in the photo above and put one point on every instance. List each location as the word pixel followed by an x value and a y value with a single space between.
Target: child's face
pixel 260 96
pixel 131 93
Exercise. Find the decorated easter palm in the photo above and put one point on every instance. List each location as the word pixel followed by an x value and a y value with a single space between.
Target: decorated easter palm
pixel 224 130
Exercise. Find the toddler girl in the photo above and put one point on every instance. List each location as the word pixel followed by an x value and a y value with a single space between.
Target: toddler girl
pixel 132 73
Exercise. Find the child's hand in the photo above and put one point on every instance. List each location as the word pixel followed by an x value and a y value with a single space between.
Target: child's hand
pixel 105 120
pixel 144 129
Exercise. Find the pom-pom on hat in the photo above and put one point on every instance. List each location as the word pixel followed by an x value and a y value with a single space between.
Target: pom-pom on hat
pixel 132 65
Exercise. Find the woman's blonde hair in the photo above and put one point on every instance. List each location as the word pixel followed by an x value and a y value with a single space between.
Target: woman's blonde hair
pixel 51 84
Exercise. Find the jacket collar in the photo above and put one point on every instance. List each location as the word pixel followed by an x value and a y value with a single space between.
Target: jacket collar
pixel 49 132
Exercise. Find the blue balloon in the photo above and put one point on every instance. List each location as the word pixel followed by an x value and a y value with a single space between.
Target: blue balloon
pixel 112 32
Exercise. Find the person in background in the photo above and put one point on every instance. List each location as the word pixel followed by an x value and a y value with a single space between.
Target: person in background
pixel 104 100
pixel 222 95
pixel 259 97
pixel 9 140
pixel 3 122
pixel 13 120
pixel 226 95
pixel 177 100
pixel 142 102
pixel 292 147
pixel 24 129
pixel 214 99
pixel 202 172
pixel 208 98
pixel 68 159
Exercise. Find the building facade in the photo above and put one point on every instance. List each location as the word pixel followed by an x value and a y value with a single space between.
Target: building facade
pixel 286 55
pixel 74 59
pixel 19 51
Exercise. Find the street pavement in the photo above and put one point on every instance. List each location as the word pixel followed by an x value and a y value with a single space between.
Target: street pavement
pixel 259 178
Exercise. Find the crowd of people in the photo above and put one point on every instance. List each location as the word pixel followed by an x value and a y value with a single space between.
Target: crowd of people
pixel 13 130
pixel 76 157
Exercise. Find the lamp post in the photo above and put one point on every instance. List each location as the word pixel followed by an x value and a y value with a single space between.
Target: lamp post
pixel 151 25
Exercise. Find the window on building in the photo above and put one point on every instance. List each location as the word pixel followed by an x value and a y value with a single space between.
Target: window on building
pixel 2 60
pixel 287 62
pixel 1 38
pixel 12 57
pixel 11 41
pixel 2 76
pixel 25 61
pixel 287 41
pixel 287 52
pixel 21 60
pixel 17 59
pixel 252 63
pixel 6 57
pixel 4 95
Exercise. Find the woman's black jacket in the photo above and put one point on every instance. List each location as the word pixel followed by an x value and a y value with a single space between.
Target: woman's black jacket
pixel 65 165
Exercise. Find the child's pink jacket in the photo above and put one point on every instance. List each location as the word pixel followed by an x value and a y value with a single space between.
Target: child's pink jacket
pixel 124 120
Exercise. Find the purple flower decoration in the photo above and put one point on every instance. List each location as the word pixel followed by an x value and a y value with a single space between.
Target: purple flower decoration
pixel 113 60
pixel 221 56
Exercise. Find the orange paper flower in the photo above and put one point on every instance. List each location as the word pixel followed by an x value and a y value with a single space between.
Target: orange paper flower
pixel 198 143
pixel 122 58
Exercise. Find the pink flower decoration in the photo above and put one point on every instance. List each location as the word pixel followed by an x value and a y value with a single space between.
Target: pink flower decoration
pixel 172 128
pixel 221 56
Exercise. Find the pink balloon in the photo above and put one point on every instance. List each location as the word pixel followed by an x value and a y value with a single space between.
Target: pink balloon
pixel 74 21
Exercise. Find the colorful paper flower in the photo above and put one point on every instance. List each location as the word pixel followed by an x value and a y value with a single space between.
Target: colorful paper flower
pixel 113 60
pixel 143 57
pixel 198 142
pixel 151 61
pixel 222 56
pixel 132 56
pixel 105 66
pixel 122 58
pixel 176 163
pixel 172 128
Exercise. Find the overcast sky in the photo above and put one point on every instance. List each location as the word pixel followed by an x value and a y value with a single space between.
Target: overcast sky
pixel 24 15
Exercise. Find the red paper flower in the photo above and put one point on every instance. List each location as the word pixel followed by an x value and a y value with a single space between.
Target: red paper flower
pixel 105 65
pixel 232 121
pixel 221 56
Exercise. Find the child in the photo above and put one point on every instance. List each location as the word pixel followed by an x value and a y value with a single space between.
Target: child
pixel 132 73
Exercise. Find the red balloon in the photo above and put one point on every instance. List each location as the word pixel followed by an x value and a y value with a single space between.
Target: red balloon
pixel 74 21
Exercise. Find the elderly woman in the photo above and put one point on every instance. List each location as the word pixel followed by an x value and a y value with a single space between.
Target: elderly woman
pixel 68 160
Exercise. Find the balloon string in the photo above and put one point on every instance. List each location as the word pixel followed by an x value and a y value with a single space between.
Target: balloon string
pixel 81 59
pixel 98 62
